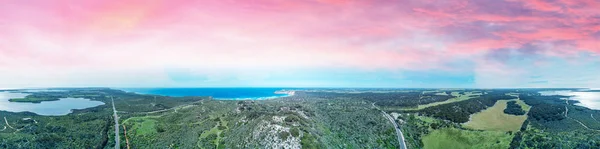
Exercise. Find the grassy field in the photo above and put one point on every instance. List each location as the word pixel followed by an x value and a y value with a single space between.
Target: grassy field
pixel 495 119
pixel 452 138
pixel 442 93
pixel 215 131
pixel 459 97
pixel 141 125
pixel 523 105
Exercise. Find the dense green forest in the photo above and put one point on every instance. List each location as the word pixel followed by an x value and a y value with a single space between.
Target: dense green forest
pixel 513 108
pixel 391 99
pixel 554 122
pixel 545 108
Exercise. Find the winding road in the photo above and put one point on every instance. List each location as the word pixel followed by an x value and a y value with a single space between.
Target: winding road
pixel 584 126
pixel 8 124
pixel 398 132
pixel 117 144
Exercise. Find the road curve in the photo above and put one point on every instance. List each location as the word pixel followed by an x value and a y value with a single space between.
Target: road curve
pixel 117 144
pixel 8 124
pixel 399 134
pixel 584 126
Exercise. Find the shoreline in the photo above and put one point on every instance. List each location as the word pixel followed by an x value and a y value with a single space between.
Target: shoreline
pixel 275 94
pixel 287 94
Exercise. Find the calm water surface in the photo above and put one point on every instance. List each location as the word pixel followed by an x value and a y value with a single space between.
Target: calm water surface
pixel 587 99
pixel 59 107
pixel 217 93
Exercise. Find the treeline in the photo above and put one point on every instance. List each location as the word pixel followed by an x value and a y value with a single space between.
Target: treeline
pixel 459 112
pixel 513 108
pixel 516 141
pixel 84 128
pixel 545 108
pixel 87 130
pixel 400 99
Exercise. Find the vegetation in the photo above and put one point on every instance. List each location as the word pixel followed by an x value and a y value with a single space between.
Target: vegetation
pixel 38 97
pixel 556 123
pixel 453 138
pixel 460 112
pixel 513 108
pixel 86 128
pixel 343 118
pixel 32 99
pixel 545 108
pixel 457 96
pixel 495 119
pixel 387 99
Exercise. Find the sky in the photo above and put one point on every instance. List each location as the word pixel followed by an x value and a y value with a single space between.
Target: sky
pixel 300 43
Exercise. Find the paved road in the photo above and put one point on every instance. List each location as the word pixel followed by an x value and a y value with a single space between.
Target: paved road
pixel 116 124
pixel 398 132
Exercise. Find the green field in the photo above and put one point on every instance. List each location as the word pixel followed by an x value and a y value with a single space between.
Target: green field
pixel 523 105
pixel 458 97
pixel 141 125
pixel 495 119
pixel 453 138
pixel 216 132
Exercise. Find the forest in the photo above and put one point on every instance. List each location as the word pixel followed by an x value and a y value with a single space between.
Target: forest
pixel 551 125
pixel 513 108
pixel 201 122
pixel 309 119
pixel 391 99
pixel 85 128
pixel 545 108
pixel 459 112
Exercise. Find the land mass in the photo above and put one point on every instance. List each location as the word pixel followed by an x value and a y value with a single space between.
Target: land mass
pixel 33 99
pixel 311 118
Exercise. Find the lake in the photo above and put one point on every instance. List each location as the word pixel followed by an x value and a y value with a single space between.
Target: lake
pixel 49 108
pixel 216 93
pixel 587 99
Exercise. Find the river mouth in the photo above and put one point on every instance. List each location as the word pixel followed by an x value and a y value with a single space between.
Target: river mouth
pixel 60 107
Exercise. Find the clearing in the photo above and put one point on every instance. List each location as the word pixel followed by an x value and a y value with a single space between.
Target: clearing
pixel 458 97
pixel 141 125
pixel 216 131
pixel 453 138
pixel 494 118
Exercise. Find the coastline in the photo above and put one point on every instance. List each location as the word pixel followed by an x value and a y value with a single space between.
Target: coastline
pixel 584 98
pixel 287 94
pixel 216 93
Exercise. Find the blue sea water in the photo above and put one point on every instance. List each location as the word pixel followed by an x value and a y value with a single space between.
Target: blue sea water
pixel 216 93
pixel 63 106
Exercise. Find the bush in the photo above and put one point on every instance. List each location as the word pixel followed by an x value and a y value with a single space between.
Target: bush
pixel 284 135
pixel 292 118
pixel 295 132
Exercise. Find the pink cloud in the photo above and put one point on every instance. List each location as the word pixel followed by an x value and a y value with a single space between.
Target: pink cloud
pixel 542 5
pixel 206 34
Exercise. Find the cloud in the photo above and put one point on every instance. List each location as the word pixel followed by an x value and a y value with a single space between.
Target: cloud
pixel 538 82
pixel 479 37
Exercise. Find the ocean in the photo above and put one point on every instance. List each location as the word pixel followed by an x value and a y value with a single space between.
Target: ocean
pixel 216 93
